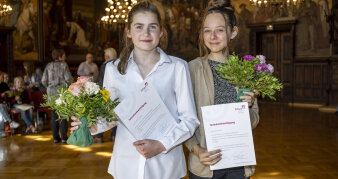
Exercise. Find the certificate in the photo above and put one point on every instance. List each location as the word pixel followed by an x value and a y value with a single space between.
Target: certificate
pixel 228 128
pixel 144 114
pixel 24 107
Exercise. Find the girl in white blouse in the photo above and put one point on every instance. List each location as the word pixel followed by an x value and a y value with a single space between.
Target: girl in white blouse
pixel 142 60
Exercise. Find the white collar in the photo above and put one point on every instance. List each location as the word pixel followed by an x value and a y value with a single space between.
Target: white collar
pixel 164 58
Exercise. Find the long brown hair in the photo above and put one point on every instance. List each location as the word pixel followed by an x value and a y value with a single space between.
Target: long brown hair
pixel 143 6
pixel 216 6
pixel 30 68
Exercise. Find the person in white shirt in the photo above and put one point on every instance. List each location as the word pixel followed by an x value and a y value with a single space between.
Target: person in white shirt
pixel 88 67
pixel 141 60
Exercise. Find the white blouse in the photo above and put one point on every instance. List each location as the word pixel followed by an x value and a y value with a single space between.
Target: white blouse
pixel 171 78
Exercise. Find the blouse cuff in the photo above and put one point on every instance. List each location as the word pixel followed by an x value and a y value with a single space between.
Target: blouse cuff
pixel 166 143
pixel 102 125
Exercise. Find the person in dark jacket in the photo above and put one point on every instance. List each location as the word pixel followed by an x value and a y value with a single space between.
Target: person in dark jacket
pixel 109 55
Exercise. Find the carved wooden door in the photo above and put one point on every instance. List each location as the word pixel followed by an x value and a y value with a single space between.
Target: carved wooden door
pixel 278 49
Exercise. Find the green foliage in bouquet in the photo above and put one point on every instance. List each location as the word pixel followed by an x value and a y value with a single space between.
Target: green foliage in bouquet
pixel 15 92
pixel 250 72
pixel 65 104
pixel 88 102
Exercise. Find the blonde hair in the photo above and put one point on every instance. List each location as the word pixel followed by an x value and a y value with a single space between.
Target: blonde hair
pixel 16 79
pixel 111 53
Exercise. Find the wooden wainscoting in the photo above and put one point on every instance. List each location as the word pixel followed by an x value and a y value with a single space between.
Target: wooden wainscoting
pixel 333 79
pixel 311 83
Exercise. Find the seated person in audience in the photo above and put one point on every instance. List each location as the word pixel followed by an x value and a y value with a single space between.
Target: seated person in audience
pixel 88 67
pixel 26 81
pixel 32 78
pixel 4 87
pixel 20 102
pixel 36 84
pixel 4 82
pixel 4 117
pixel 6 79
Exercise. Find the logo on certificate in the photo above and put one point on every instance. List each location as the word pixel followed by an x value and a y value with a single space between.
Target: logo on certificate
pixel 240 109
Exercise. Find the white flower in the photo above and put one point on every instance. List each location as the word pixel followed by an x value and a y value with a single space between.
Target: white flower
pixel 91 88
pixel 261 58
pixel 59 101
pixel 270 68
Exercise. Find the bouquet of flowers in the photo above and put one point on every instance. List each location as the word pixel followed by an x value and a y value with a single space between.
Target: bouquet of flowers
pixel 250 73
pixel 15 92
pixel 88 102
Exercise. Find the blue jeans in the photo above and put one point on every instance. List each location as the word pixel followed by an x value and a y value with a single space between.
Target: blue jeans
pixel 27 118
pixel 229 173
pixel 113 132
pixel 4 117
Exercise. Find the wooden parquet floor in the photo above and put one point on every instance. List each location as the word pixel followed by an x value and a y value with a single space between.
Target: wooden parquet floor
pixel 291 143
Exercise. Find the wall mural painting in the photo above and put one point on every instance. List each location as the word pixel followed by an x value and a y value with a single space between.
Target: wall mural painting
pixel 182 24
pixel 312 28
pixel 25 37
pixel 333 18
pixel 75 26
pixel 334 28
pixel 243 12
pixel 66 26
pixel 76 29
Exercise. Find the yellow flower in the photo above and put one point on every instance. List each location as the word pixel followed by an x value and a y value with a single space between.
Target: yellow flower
pixel 105 95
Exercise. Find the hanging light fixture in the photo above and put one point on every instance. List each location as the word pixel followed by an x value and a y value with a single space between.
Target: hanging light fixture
pixel 117 11
pixel 267 3
pixel 270 5
pixel 5 8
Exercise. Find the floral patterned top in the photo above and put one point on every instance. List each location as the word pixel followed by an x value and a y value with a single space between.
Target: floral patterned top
pixel 56 74
pixel 224 91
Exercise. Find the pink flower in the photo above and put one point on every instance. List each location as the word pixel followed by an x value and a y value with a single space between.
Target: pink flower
pixel 248 57
pixel 75 88
pixel 260 67
pixel 83 79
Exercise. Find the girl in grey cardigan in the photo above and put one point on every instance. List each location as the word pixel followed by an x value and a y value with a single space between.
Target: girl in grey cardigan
pixel 218 28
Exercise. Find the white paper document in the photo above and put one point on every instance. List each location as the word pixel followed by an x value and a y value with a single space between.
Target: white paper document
pixel 24 107
pixel 228 128
pixel 144 114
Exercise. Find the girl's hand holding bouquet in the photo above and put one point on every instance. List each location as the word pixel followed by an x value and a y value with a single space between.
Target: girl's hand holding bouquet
pixel 248 96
